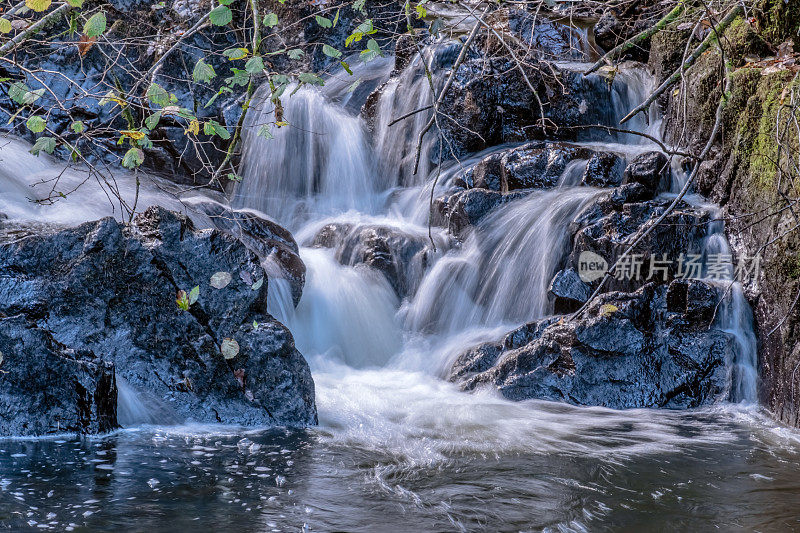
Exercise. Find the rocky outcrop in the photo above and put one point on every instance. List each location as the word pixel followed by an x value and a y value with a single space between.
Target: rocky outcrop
pixel 747 173
pixel 100 299
pixel 400 256
pixel 628 350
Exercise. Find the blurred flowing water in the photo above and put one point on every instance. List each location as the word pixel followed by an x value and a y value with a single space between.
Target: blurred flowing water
pixel 398 448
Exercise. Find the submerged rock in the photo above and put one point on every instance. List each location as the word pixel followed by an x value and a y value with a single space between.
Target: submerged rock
pixel 109 289
pixel 628 351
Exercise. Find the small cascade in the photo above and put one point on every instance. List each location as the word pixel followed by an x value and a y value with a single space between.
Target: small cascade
pixel 733 314
pixel 136 407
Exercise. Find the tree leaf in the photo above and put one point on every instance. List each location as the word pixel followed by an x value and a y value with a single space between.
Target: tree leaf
pixel 234 177
pixel 257 285
pixel 254 65
pixel 75 3
pixel 229 348
pixel 330 51
pixel 22 94
pixel 36 124
pixel 136 135
pixel 270 20
pixel 96 25
pixel 236 53
pixel 152 121
pixel 220 16
pixel 133 158
pixel 38 5
pixel 194 127
pixel 311 78
pixel 194 294
pixel 5 25
pixel 220 280
pixel 295 53
pixel 78 126
pixel 264 132
pixel 324 22
pixel 158 95
pixel 226 2
pixel 48 144
pixel 203 72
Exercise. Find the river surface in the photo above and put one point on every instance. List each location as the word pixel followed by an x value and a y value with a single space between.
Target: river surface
pixel 399 448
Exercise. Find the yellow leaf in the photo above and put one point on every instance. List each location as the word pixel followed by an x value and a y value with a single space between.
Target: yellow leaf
pixel 5 26
pixel 607 309
pixel 133 134
pixel 194 127
pixel 38 5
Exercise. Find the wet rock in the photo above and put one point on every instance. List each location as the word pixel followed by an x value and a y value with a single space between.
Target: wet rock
pixel 651 170
pixel 607 228
pixel 272 243
pixel 625 352
pixel 569 291
pixel 696 299
pixel 110 289
pixel 604 169
pixel 47 388
pixel 402 257
pixel 607 31
pixel 462 210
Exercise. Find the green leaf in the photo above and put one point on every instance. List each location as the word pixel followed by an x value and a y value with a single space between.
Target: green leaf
pixel 257 285
pixel 354 85
pixel 234 177
pixel 38 5
pixel 203 72
pixel 359 5
pixel 22 94
pixel 373 50
pixel 365 28
pixel 226 2
pixel 336 18
pixel 254 65
pixel 213 127
pixel 152 121
pixel 229 348
pixel 96 25
pixel 331 51
pixel 220 16
pixel 78 126
pixel 158 95
pixel 255 326
pixel 194 294
pixel 324 22
pixel 240 77
pixel 75 3
pixel 133 158
pixel 220 280
pixel 263 131
pixel 236 53
pixel 48 144
pixel 36 124
pixel 310 78
pixel 346 66
pixel 270 20
pixel 5 25
pixel 295 53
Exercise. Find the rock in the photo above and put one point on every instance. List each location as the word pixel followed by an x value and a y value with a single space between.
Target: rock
pixel 627 351
pixel 607 30
pixel 400 256
pixel 604 169
pixel 651 170
pixel 462 210
pixel 272 243
pixel 48 388
pixel 694 298
pixel 606 229
pixel 569 291
pixel 110 289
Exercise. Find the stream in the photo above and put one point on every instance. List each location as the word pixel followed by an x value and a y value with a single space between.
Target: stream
pixel 398 448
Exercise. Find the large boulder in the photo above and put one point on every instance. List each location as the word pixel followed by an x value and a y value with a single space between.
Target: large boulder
pixel 46 387
pixel 109 289
pixel 627 351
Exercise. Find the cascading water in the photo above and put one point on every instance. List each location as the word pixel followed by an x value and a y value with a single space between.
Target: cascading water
pixel 398 447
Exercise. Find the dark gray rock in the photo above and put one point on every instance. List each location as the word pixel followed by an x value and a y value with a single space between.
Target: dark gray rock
pixel 462 210
pixel 47 388
pixel 694 298
pixel 569 291
pixel 627 351
pixel 651 170
pixel 110 289
pixel 604 169
pixel 400 256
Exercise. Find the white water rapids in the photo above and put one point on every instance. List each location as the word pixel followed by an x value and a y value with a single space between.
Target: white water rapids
pixel 378 360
